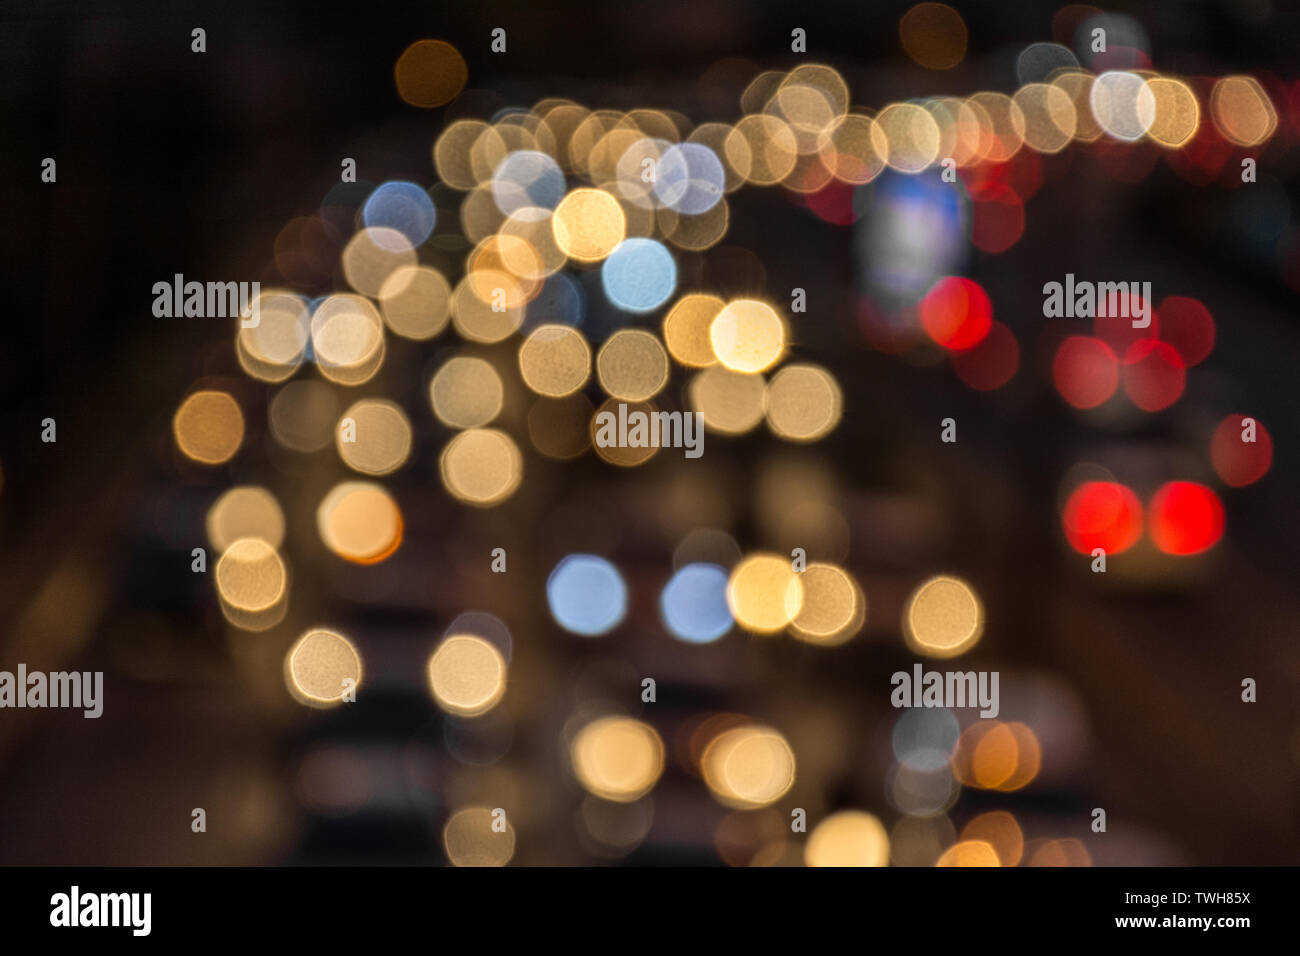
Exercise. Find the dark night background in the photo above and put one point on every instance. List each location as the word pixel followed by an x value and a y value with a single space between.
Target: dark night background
pixel 170 161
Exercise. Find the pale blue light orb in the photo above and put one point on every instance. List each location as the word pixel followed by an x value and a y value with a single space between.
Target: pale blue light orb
pixel 924 739
pixel 639 275
pixel 527 178
pixel 690 178
pixel 586 595
pixel 403 207
pixel 693 604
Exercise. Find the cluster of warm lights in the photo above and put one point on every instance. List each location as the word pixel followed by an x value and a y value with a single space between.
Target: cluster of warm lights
pixel 996 143
pixel 558 192
pixel 466 671
pixel 992 755
pixel 703 601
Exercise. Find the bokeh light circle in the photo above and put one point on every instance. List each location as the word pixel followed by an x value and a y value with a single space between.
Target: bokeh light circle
pixel 1185 518
pixel 944 618
pixel 209 427
pixel 1241 450
pixel 404 208
pixel 748 767
pixel 527 179
pixel 481 467
pixel 690 178
pixel 360 522
pixel 1102 514
pixel 321 668
pixel 632 365
pixel 588 224
pixel 467 675
pixel 804 403
pixel 639 275
pixel 956 313
pixel 764 593
pixel 430 73
pixel 693 604
pixel 747 336
pixel 245 511
pixel 586 595
pixel 555 360
pixel 1154 374
pixel 834 607
pixel 933 35
pixel 617 758
pixel 1085 371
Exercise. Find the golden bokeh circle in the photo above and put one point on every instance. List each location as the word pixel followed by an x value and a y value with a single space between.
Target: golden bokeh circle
pixel 380 433
pixel 765 146
pixel 1005 133
pixel 686 329
pixel 250 575
pixel 505 271
pixel 969 853
pixel 1178 114
pixel 415 301
pixel 1077 84
pixel 360 522
pixel 322 668
pixel 451 153
pixel 555 360
pixel 467 675
pixel 826 80
pixel 1242 111
pixel 943 618
pixel 998 829
pixel 1049 114
pixel 272 350
pixel 854 149
pixel 848 838
pixel 632 365
pixel 372 255
pixel 471 839
pixel 588 224
pixel 348 339
pixel 487 305
pixel 245 511
pixel 747 336
pixel 748 767
pixel 765 593
pixel 617 758
pixel 466 392
pixel 528 246
pixel 807 110
pixel 480 216
pixel 430 73
pixel 209 427
pixel 912 134
pixel 481 466
pixel 804 403
pixel 834 607
pixel 731 402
